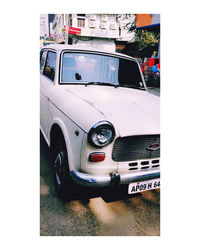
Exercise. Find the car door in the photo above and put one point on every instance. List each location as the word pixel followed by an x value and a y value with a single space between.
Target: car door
pixel 47 77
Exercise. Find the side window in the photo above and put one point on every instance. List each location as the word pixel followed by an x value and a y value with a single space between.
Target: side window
pixel 42 58
pixel 50 65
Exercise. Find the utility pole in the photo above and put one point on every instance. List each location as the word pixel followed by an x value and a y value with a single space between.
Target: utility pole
pixel 66 23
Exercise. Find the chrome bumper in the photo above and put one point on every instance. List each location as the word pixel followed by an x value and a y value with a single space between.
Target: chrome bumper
pixel 112 180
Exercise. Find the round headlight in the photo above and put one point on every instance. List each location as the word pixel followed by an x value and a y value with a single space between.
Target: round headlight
pixel 101 134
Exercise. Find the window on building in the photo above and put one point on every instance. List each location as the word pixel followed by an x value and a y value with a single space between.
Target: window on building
pixel 81 22
pixel 50 65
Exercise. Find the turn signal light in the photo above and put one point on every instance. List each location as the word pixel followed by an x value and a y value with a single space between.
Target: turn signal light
pixel 96 157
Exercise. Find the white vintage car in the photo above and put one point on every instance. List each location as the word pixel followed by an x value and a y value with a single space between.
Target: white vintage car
pixel 99 120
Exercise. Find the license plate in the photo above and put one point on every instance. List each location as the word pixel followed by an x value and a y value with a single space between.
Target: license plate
pixel 141 186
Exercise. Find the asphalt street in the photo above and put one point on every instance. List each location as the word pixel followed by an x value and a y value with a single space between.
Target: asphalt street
pixel 154 91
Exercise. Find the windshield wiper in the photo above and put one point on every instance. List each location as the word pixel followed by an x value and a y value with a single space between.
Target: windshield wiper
pixel 114 85
pixel 101 83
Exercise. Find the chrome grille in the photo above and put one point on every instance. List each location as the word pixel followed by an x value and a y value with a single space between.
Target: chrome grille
pixel 132 148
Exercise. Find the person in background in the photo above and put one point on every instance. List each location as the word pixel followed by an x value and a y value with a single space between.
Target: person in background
pixel 154 55
pixel 155 68
pixel 156 73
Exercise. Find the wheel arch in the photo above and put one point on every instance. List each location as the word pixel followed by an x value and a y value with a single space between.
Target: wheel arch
pixel 59 129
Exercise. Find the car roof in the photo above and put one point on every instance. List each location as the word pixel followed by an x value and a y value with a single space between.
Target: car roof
pixel 61 47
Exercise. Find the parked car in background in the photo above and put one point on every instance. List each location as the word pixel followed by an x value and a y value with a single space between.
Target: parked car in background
pixel 100 123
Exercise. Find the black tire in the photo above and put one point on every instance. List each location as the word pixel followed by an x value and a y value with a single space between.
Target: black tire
pixel 63 183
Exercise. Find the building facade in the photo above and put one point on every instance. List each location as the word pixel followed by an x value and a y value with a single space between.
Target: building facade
pixel 44 25
pixel 148 21
pixel 95 30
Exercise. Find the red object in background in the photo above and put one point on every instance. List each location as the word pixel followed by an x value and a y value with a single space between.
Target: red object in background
pixel 151 62
pixel 158 64
pixel 64 28
pixel 51 35
pixel 142 68
pixel 74 31
pixel 142 65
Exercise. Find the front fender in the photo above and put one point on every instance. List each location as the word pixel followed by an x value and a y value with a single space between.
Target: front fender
pixel 72 141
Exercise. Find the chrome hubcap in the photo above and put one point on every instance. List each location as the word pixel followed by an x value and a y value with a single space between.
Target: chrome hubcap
pixel 58 165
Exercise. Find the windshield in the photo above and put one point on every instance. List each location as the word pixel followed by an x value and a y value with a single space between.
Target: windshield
pixel 82 68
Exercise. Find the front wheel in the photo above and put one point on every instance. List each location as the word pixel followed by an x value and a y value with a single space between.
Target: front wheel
pixel 63 183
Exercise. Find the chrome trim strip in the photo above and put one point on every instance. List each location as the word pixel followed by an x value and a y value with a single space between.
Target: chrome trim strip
pixel 90 180
pixel 104 122
pixel 94 53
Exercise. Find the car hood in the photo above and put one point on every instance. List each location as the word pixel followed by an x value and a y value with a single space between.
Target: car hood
pixel 131 111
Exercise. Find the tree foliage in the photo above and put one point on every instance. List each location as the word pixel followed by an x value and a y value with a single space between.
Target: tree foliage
pixel 146 38
pixel 145 42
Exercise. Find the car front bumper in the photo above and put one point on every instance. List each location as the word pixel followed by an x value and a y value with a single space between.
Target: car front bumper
pixel 114 179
